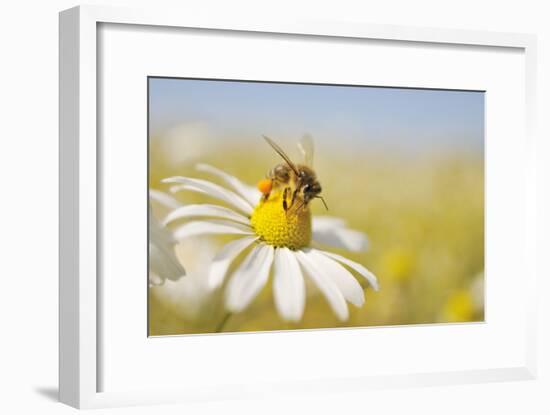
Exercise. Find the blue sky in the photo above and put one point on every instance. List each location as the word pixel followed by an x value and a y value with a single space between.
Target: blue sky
pixel 412 119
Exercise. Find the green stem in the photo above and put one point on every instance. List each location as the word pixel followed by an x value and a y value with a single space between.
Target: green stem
pixel 221 326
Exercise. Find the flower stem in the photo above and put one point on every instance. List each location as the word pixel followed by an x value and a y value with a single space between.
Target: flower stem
pixel 222 324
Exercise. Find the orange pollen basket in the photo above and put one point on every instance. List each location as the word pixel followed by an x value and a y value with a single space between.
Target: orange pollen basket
pixel 265 186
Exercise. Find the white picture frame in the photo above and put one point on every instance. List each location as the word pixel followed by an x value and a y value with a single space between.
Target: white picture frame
pixel 80 167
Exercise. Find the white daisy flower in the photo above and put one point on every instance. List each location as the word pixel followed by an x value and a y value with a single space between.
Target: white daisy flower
pixel 163 263
pixel 274 241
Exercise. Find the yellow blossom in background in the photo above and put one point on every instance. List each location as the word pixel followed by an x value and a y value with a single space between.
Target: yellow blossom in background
pixel 397 264
pixel 459 307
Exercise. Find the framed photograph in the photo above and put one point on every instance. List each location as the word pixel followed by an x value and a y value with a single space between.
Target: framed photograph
pixel 283 208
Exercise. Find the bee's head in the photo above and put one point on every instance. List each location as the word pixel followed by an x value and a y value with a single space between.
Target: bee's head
pixel 312 189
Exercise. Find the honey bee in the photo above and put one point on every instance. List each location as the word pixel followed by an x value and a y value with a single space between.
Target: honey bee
pixel 298 181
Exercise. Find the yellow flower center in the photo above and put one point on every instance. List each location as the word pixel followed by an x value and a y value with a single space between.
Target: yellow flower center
pixel 277 227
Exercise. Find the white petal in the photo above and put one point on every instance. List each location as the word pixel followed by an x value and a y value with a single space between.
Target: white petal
pixel 162 258
pixel 325 284
pixel 250 193
pixel 249 278
pixel 163 263
pixel 224 258
pixel 211 189
pixel 209 227
pixel 371 278
pixel 288 285
pixel 324 221
pixel 333 232
pixel 190 211
pixel 346 282
pixel 164 199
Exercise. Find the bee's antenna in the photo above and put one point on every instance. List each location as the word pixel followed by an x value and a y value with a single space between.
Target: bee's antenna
pixel 322 200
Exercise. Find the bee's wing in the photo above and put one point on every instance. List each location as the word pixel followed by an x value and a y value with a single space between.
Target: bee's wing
pixel 307 149
pixel 281 153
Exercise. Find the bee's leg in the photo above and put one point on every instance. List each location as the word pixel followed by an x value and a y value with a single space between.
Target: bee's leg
pixel 294 194
pixel 300 206
pixel 291 207
pixel 285 195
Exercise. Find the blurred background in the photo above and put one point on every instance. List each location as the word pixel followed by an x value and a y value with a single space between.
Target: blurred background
pixel 404 166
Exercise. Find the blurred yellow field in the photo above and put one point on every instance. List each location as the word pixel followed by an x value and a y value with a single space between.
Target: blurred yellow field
pixel 425 223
